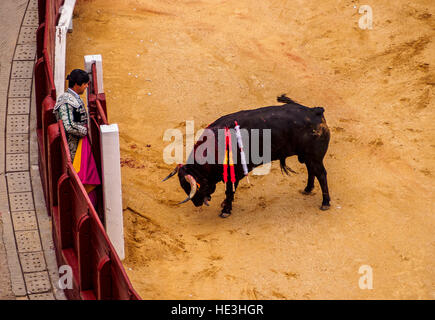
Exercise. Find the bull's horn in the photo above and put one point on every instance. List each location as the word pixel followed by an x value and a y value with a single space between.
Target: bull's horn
pixel 192 183
pixel 172 173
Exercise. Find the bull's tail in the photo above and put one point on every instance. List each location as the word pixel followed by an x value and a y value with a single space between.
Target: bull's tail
pixel 284 99
pixel 284 168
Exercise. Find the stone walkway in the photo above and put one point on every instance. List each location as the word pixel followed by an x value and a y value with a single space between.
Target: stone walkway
pixel 28 268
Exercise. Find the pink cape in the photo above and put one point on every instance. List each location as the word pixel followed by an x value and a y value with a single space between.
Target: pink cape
pixel 84 164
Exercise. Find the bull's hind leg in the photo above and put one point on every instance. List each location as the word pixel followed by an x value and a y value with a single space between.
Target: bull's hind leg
pixel 316 169
pixel 320 173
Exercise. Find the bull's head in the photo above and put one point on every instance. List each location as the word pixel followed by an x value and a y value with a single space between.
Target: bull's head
pixel 197 189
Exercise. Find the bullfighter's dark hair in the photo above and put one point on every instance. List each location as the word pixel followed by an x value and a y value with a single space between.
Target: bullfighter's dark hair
pixel 77 76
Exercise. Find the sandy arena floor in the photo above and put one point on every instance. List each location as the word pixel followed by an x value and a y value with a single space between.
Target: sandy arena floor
pixel 168 61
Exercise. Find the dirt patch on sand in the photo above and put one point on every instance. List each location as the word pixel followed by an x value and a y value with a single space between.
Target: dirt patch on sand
pixel 169 61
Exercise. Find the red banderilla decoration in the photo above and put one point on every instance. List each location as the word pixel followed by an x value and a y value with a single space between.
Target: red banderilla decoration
pixel 229 159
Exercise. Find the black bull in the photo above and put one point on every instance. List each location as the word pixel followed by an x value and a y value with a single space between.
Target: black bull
pixel 295 130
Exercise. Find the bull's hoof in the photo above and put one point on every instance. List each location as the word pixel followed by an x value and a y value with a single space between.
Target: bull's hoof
pixel 325 207
pixel 307 193
pixel 224 215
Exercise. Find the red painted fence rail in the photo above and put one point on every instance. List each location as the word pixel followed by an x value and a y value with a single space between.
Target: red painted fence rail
pixel 78 229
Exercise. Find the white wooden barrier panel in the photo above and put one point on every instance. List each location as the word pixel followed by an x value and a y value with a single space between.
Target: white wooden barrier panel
pixel 65 23
pixel 112 194
pixel 89 61
pixel 98 60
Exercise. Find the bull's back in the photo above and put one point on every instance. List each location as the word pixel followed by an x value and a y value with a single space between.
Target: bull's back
pixel 294 128
pixel 272 117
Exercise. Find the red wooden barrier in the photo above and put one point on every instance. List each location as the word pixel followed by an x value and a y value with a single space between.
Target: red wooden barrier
pixel 78 232
pixel 41 11
pixel 48 119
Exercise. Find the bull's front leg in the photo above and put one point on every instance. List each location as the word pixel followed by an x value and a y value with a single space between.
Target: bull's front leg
pixel 227 204
pixel 310 182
